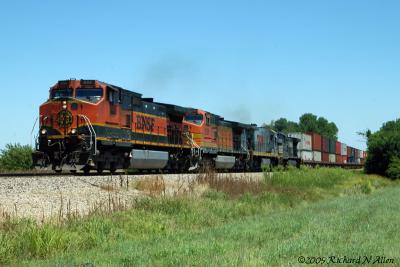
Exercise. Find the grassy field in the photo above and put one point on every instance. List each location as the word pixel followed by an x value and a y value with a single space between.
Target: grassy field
pixel 310 213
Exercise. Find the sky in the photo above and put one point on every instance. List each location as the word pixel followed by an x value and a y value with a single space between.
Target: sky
pixel 250 61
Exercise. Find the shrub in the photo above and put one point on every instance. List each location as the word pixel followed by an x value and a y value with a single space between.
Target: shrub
pixel 16 157
pixel 383 149
pixel 393 170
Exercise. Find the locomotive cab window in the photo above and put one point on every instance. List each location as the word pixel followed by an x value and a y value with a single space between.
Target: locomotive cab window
pixel 208 120
pixel 61 93
pixel 89 94
pixel 194 118
pixel 112 96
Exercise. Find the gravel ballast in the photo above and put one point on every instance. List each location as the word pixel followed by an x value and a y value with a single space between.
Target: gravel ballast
pixel 45 197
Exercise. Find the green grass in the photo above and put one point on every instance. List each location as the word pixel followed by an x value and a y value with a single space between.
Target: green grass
pixel 305 212
pixel 351 226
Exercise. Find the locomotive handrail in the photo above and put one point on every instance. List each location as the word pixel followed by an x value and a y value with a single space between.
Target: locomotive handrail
pixel 246 150
pixel 33 128
pixel 35 137
pixel 193 143
pixel 195 150
pixel 92 132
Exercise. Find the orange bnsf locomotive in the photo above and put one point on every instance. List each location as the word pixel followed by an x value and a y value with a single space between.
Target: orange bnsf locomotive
pixel 91 125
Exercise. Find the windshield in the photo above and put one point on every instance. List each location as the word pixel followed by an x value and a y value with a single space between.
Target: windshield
pixel 61 93
pixel 195 118
pixel 89 94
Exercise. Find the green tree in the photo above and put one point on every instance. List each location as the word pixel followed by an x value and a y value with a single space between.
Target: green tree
pixel 16 157
pixel 393 170
pixel 323 126
pixel 365 134
pixel 332 131
pixel 284 125
pixel 311 123
pixel 280 125
pixel 384 150
pixel 292 127
pixel 308 123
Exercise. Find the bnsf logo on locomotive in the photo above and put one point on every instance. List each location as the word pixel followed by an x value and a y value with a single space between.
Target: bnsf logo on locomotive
pixel 144 123
pixel 64 118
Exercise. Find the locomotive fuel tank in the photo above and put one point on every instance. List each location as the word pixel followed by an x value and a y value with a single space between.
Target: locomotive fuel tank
pixel 148 159
pixel 224 162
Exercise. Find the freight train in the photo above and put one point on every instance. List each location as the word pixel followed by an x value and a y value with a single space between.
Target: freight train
pixel 92 125
pixel 316 149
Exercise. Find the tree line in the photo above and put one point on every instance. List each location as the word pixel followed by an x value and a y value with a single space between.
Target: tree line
pixel 308 122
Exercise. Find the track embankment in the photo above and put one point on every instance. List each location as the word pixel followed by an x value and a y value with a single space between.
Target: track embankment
pixel 55 197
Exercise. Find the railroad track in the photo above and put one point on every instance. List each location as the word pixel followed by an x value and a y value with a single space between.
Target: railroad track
pixel 41 174
pixel 52 173
pixel 81 173
pixel 44 174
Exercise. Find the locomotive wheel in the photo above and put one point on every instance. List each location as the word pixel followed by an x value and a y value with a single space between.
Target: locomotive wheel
pixel 206 165
pixel 100 167
pixel 112 168
pixel 86 170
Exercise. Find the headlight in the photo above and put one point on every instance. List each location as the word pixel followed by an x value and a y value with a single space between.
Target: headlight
pixel 73 131
pixel 43 131
pixel 64 105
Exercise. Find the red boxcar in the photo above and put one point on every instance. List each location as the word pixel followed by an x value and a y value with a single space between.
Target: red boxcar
pixel 325 157
pixel 325 145
pixel 338 148
pixel 316 141
pixel 356 153
pixel 340 159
